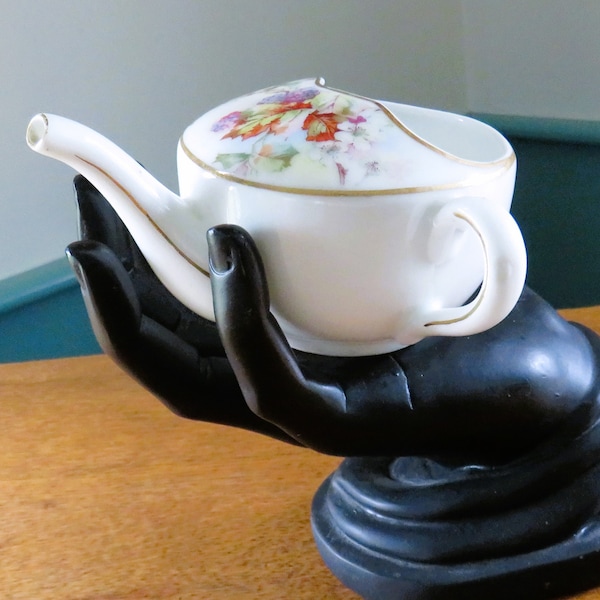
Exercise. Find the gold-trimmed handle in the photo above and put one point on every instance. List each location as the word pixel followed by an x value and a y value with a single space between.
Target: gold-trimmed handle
pixel 505 267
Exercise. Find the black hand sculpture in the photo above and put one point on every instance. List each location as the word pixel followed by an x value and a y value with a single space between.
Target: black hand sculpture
pixel 491 480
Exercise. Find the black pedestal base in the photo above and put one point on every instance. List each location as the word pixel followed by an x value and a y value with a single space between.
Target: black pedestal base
pixel 412 529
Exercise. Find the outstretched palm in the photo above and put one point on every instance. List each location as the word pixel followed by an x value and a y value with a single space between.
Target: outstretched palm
pixel 486 397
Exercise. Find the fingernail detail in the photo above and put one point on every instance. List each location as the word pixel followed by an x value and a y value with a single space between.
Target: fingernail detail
pixel 220 253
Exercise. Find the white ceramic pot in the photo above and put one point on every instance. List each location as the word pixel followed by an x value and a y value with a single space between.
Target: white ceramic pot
pixel 376 221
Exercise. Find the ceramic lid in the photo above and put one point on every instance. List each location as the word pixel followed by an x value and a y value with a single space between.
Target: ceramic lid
pixel 303 136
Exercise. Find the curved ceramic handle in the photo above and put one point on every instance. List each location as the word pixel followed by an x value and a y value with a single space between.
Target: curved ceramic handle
pixel 505 268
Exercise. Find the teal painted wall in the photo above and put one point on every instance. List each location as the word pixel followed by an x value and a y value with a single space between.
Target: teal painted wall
pixel 42 315
pixel 557 206
pixel 556 203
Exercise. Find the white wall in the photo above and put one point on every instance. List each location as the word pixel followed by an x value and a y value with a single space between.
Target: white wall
pixel 140 70
pixel 535 58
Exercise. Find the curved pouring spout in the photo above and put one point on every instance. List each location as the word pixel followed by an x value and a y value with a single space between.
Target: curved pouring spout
pixel 138 198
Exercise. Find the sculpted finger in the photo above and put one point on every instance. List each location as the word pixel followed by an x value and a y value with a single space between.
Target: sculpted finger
pixel 98 221
pixel 255 345
pixel 96 216
pixel 237 268
pixel 151 353
pixel 273 385
pixel 109 295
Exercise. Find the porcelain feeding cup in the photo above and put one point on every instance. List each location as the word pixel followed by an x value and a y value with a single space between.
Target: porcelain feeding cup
pixel 379 223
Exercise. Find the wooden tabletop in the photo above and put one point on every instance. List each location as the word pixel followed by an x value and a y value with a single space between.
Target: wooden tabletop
pixel 106 495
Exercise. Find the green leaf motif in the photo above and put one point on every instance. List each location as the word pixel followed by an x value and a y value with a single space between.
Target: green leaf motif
pixel 285 155
pixel 232 160
pixel 277 160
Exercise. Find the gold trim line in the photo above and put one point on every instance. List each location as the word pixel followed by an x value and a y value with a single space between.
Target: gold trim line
pixel 320 82
pixel 479 299
pixel 333 193
pixel 143 211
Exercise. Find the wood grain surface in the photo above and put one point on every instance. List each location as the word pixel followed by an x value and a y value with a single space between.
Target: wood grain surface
pixel 105 495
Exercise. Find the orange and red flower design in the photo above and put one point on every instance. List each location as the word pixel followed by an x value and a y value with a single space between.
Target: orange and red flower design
pixel 300 118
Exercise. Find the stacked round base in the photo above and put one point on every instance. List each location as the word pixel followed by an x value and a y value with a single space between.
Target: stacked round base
pixel 415 529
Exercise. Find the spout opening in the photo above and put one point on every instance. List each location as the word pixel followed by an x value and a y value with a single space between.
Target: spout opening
pixel 36 130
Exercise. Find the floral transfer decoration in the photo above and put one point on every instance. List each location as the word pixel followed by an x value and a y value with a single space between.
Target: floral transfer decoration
pixel 303 136
pixel 306 127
